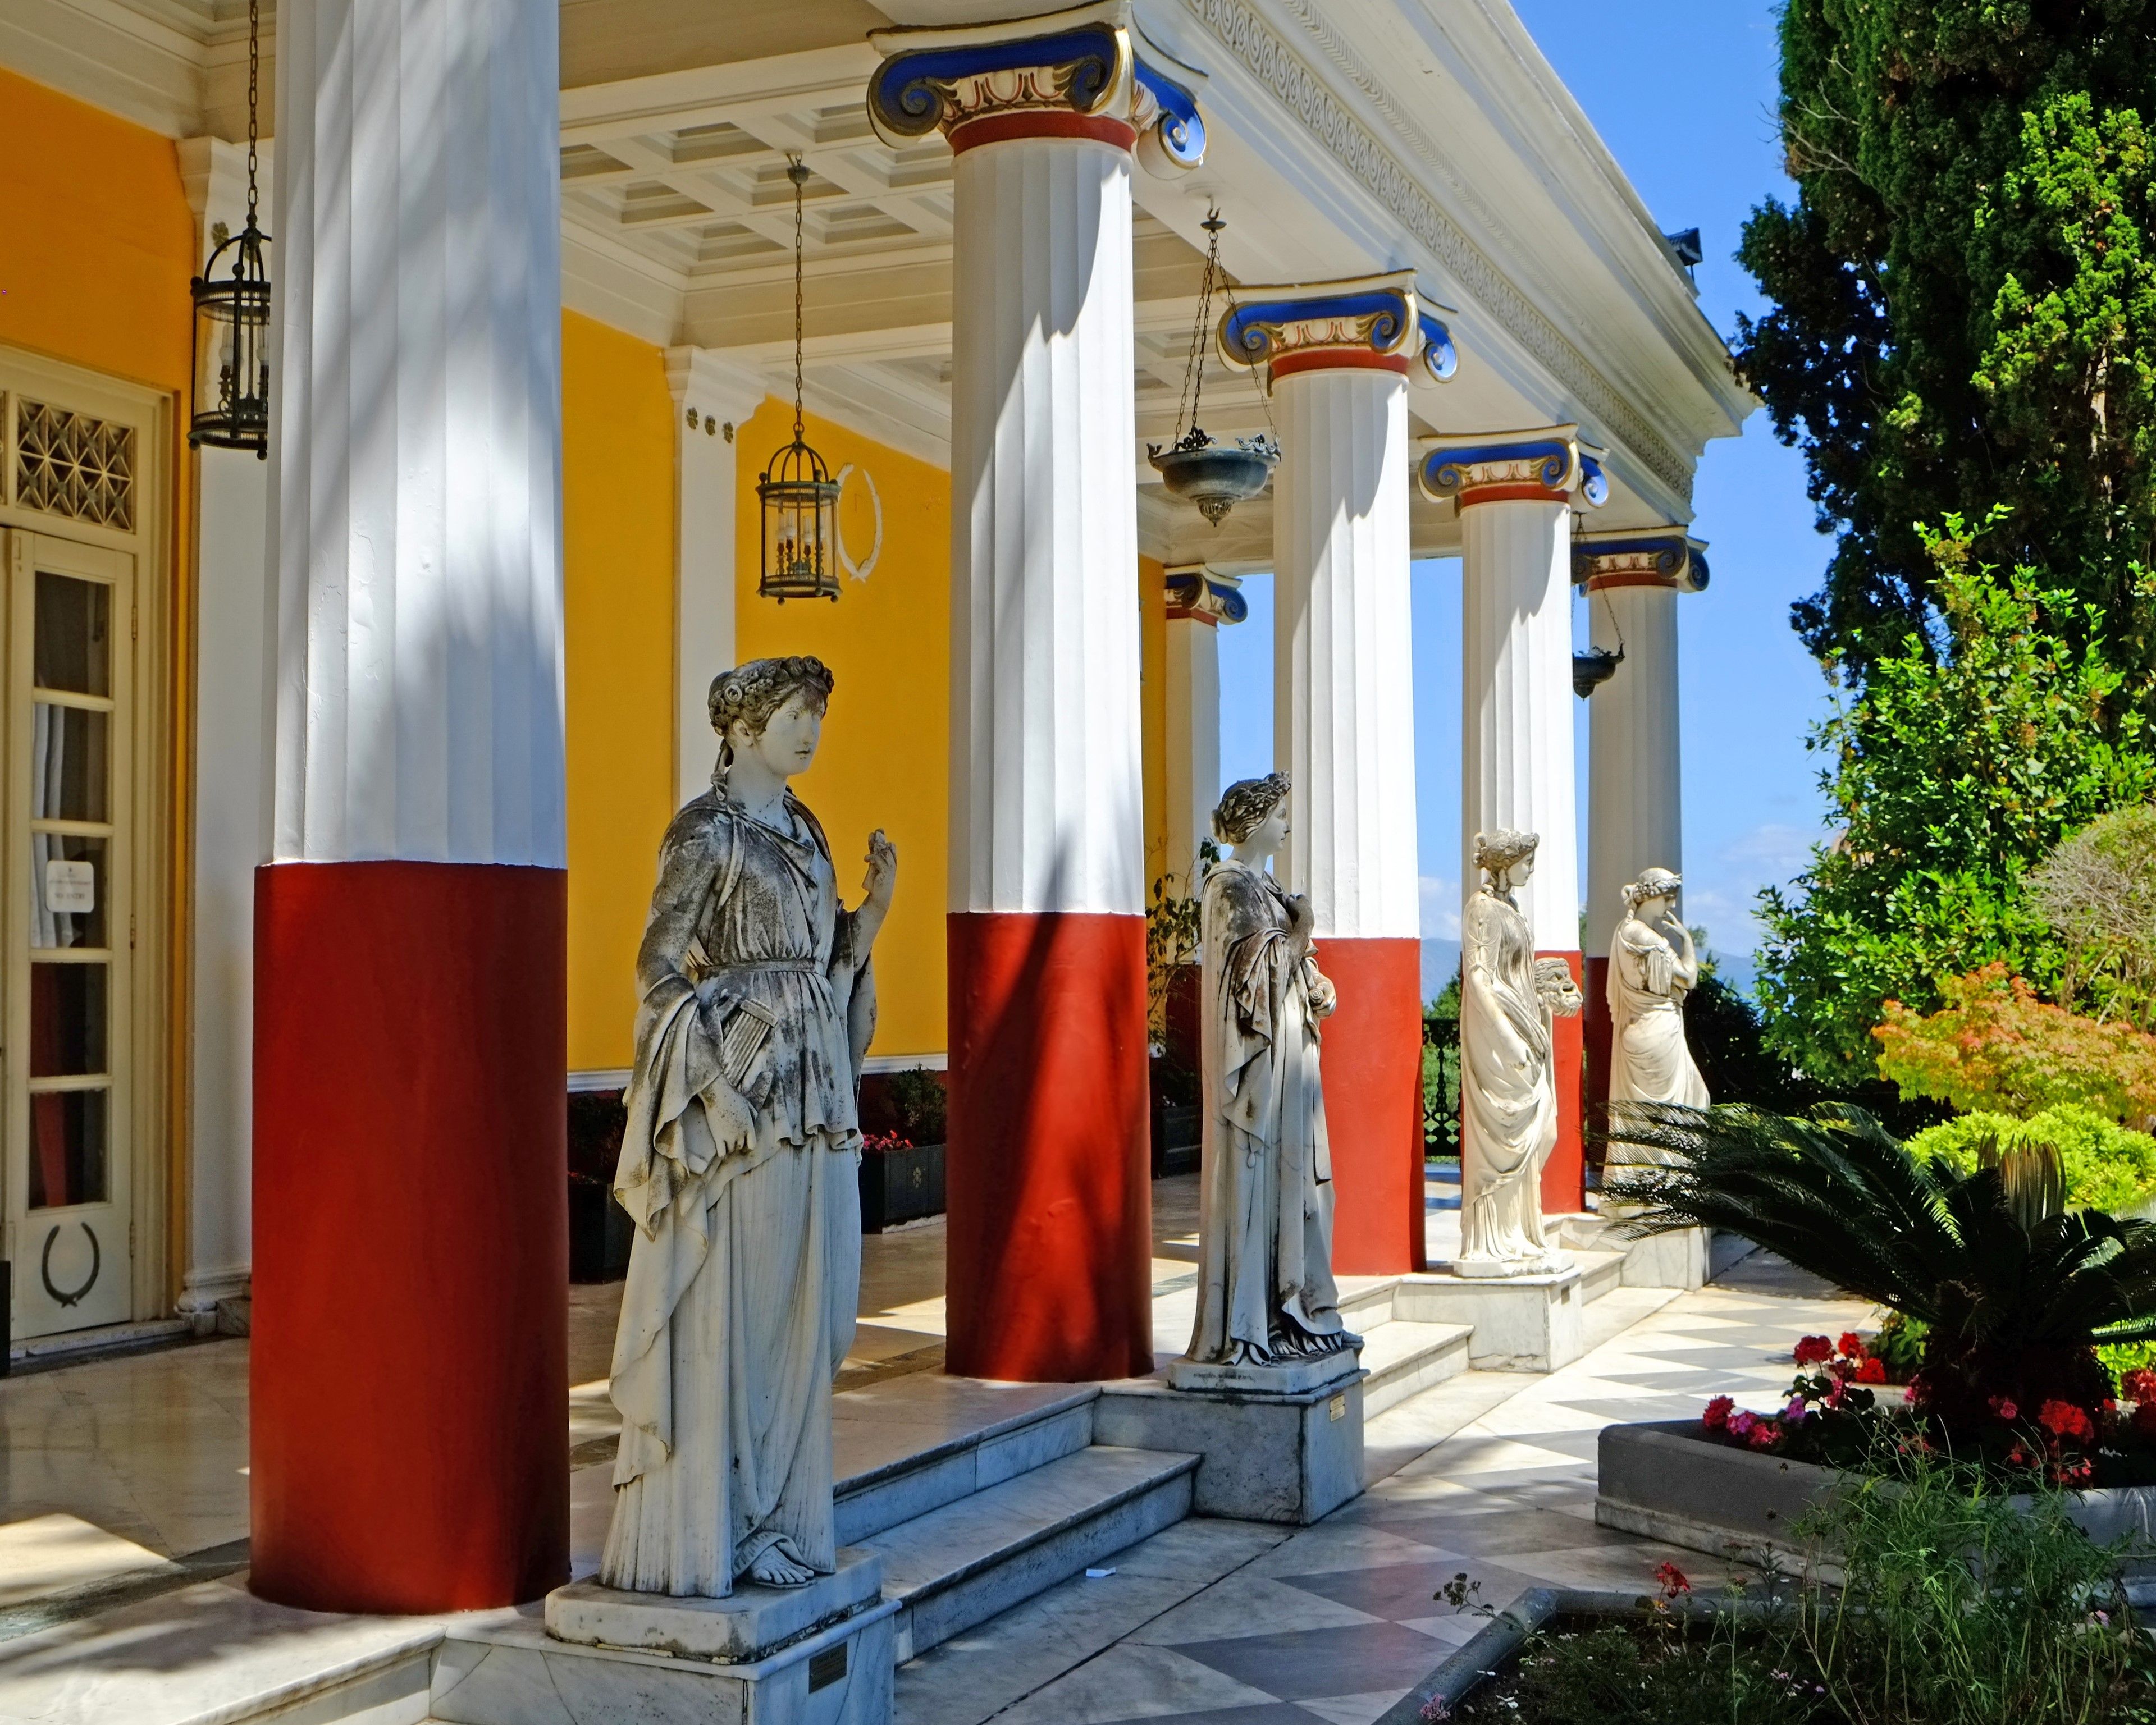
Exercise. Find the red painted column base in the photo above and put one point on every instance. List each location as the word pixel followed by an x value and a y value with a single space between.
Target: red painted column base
pixel 1596 1019
pixel 1047 1169
pixel 1564 1175
pixel 1372 1060
pixel 409 1372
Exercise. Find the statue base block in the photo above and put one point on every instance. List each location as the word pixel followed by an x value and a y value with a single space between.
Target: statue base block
pixel 1269 1452
pixel 1284 1378
pixel 1522 1323
pixel 824 1655
pixel 748 1623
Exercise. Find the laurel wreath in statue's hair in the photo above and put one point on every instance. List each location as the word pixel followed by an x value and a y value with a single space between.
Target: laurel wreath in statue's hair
pixel 1504 849
pixel 1653 883
pixel 1245 805
pixel 750 694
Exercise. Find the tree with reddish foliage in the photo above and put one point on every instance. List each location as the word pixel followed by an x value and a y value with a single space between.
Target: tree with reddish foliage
pixel 1996 1045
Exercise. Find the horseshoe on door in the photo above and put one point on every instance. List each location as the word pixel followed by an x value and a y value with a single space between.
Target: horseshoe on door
pixel 90 1281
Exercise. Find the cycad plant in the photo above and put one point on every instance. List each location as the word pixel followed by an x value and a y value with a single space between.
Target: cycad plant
pixel 2017 1289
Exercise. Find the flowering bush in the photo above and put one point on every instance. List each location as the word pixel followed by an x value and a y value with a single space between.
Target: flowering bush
pixel 882 1143
pixel 1831 1416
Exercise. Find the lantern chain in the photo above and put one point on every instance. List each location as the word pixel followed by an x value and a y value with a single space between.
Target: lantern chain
pixel 253 84
pixel 797 172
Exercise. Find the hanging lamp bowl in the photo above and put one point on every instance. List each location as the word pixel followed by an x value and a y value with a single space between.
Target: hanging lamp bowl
pixel 1594 668
pixel 1215 476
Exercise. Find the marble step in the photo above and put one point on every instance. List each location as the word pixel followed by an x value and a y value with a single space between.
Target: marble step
pixel 1405 1358
pixel 1599 1273
pixel 911 1485
pixel 1366 1301
pixel 964 1563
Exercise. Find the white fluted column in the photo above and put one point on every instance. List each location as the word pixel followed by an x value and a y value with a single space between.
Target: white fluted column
pixel 1514 492
pixel 1634 804
pixel 1048 1164
pixel 1199 604
pixel 1337 355
pixel 712 399
pixel 410 1042
pixel 232 594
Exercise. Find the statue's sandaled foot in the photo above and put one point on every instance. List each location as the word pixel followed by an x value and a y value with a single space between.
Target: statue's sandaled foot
pixel 773 1569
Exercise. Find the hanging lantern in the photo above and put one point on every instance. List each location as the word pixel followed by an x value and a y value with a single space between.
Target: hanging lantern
pixel 1215 476
pixel 798 497
pixel 232 313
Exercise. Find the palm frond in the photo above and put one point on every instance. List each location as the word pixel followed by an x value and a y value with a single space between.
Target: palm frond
pixel 1831 1192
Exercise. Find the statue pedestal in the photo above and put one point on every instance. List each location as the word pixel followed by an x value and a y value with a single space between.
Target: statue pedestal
pixel 818 1655
pixel 1522 1323
pixel 739 1629
pixel 1278 1443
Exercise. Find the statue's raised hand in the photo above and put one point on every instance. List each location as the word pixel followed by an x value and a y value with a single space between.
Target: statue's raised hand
pixel 881 880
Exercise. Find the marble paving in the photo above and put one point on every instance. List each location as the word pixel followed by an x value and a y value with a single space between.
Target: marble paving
pixel 1491 1474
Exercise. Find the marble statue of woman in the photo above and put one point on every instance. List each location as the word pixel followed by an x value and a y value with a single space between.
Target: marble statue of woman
pixel 1265 1294
pixel 1652 968
pixel 1508 1080
pixel 739 1166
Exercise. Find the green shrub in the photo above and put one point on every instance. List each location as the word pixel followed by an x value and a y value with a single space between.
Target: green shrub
pixel 2108 1166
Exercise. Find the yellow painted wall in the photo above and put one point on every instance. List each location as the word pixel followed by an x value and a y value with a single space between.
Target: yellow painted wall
pixel 886 755
pixel 618 564
pixel 96 243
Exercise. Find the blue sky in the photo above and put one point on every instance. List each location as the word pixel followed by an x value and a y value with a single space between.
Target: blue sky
pixel 1682 92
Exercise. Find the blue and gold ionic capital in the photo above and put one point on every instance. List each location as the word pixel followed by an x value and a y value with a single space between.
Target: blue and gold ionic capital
pixel 1198 594
pixel 1368 323
pixel 1546 465
pixel 1085 72
pixel 1661 557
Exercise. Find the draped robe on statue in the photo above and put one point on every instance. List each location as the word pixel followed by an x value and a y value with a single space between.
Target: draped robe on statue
pixel 745 1273
pixel 1264 1276
pixel 1649 1060
pixel 1508 1087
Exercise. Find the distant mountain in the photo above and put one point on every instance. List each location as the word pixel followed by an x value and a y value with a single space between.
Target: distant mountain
pixel 1440 963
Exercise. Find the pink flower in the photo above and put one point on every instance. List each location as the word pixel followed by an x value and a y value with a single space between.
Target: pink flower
pixel 1813 1351
pixel 2004 1407
pixel 1716 1416
pixel 1764 1436
pixel 1795 1410
pixel 1739 1424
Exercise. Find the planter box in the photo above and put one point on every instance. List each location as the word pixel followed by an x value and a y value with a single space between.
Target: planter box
pixel 600 1234
pixel 1668 1481
pixel 1177 1135
pixel 901 1186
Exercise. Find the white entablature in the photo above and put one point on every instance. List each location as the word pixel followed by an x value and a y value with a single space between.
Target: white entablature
pixel 1346 138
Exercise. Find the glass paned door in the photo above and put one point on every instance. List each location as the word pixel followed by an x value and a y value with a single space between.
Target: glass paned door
pixel 68 933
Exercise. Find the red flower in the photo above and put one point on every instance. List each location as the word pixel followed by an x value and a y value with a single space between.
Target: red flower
pixel 1674 1581
pixel 1716 1416
pixel 2063 1420
pixel 1851 1345
pixel 1813 1351
pixel 2004 1407
pixel 1873 1371
pixel 1764 1436
pixel 2139 1384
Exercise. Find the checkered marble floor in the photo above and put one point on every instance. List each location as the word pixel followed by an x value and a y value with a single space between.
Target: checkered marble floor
pixel 1234 1623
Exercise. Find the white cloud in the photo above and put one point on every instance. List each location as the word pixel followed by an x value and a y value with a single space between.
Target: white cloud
pixel 1441 908
pixel 1722 894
